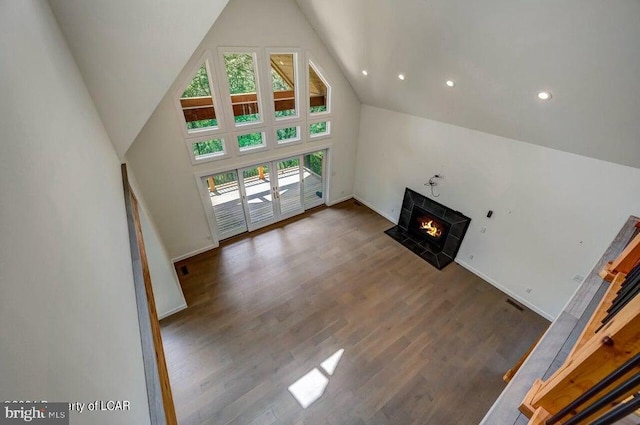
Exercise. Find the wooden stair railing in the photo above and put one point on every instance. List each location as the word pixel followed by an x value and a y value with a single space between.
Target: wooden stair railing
pixel 160 398
pixel 610 340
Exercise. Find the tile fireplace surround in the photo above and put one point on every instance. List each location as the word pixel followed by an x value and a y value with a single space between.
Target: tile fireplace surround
pixel 423 247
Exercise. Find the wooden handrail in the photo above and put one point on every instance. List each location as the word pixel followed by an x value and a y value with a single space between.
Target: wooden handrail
pixel 599 350
pixel 161 407
pixel 625 261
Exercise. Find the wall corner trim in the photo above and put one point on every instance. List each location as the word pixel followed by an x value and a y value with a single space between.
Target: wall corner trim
pixel 172 311
pixel 193 253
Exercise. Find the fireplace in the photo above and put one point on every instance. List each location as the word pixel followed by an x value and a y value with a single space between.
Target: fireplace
pixel 427 227
pixel 431 230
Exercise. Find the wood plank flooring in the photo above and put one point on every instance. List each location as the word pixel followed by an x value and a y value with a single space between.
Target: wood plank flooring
pixel 421 346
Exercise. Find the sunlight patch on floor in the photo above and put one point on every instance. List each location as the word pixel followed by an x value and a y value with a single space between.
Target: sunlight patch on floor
pixel 311 386
pixel 331 363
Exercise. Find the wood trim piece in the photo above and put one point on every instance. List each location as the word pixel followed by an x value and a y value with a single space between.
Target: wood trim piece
pixel 629 257
pixel 599 314
pixel 624 262
pixel 511 372
pixel 595 360
pixel 161 407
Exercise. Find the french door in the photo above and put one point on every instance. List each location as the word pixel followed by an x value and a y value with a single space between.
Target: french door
pixel 272 191
pixel 253 197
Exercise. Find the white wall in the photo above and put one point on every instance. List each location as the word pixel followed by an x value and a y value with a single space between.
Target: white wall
pixel 129 52
pixel 167 291
pixel 67 305
pixel 554 212
pixel 166 288
pixel 160 160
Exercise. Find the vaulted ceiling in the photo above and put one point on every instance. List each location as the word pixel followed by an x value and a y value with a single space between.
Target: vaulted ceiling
pixel 130 52
pixel 500 53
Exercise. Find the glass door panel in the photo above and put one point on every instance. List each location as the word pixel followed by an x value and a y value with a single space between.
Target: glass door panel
pixel 289 187
pixel 258 195
pixel 313 179
pixel 224 191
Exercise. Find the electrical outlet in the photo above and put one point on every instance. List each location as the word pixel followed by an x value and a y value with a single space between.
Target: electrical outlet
pixel 578 278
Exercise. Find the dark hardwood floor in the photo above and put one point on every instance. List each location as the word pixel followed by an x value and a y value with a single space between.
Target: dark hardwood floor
pixel 421 346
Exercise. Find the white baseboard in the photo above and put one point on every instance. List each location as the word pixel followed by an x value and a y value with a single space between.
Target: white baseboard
pixel 172 311
pixel 507 291
pixel 385 215
pixel 337 201
pixel 192 253
pixel 470 268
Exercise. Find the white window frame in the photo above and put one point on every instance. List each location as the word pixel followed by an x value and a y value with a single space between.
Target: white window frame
pixel 320 136
pixel 297 63
pixel 323 76
pixel 289 142
pixel 207 59
pixel 247 151
pixel 212 157
pixel 226 92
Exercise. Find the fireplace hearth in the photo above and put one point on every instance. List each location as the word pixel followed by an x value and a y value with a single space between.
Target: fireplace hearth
pixel 429 229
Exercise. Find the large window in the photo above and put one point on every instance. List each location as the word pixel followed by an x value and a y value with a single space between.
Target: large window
pixel 241 74
pixel 197 101
pixel 284 83
pixel 319 92
pixel 226 117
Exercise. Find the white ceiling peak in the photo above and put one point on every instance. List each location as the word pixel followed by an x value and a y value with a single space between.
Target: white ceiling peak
pixel 501 54
pixel 130 52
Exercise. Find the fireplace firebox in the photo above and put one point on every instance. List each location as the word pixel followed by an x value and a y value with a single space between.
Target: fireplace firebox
pixel 431 230
pixel 425 226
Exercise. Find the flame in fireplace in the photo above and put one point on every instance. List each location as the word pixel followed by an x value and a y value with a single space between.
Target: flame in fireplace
pixel 431 229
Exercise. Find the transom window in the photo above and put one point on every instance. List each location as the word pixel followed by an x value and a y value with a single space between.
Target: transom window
pixel 251 141
pixel 319 129
pixel 288 135
pixel 206 149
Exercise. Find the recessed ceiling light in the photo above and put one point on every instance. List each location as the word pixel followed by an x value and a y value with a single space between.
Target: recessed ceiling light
pixel 544 95
pixel 365 72
pixel 401 77
pixel 450 83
